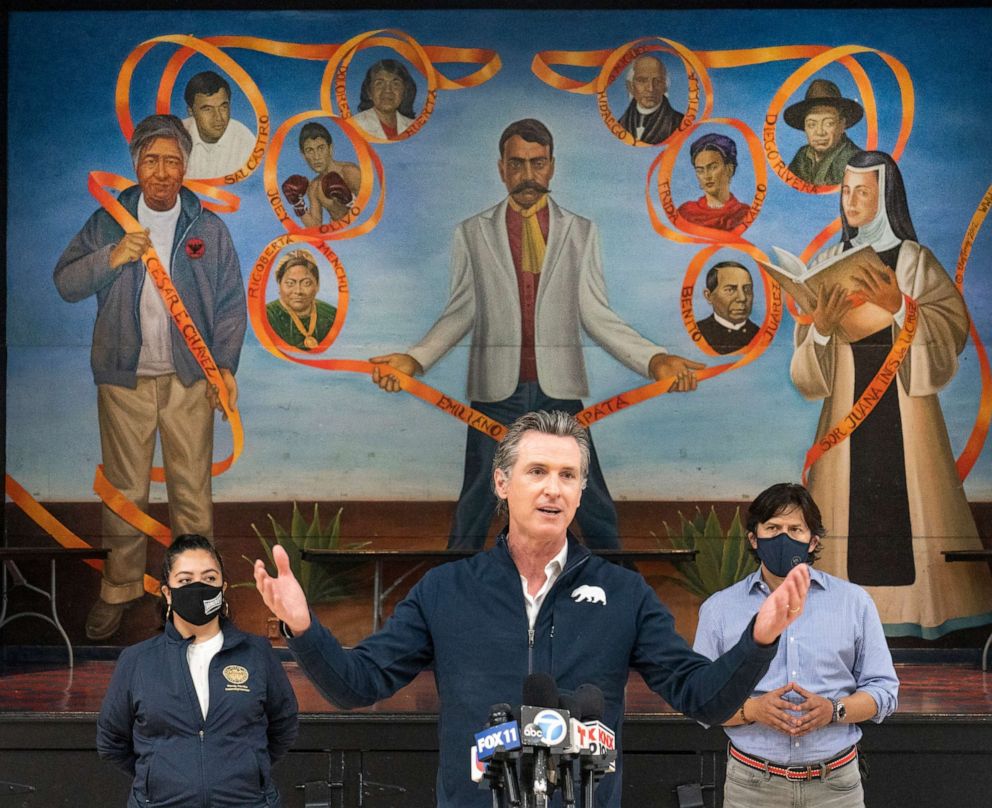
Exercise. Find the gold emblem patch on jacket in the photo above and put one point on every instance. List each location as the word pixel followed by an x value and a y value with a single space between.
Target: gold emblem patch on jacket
pixel 237 677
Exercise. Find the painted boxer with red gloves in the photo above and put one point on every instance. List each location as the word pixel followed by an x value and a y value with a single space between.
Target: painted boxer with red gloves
pixel 334 186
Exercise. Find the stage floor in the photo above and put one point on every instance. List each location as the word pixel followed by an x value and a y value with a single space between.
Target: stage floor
pixel 948 691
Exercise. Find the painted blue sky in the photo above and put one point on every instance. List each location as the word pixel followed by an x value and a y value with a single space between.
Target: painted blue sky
pixel 314 435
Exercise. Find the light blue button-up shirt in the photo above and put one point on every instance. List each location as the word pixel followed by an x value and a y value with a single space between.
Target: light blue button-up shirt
pixel 834 648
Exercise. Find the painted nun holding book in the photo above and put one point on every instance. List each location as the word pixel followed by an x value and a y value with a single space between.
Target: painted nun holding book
pixel 890 493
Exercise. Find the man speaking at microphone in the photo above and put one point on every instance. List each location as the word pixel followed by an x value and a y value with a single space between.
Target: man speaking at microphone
pixel 537 602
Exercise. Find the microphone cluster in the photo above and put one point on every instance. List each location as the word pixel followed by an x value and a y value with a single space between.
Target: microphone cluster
pixel 525 762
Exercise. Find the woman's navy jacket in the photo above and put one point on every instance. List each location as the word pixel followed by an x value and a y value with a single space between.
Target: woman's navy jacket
pixel 152 727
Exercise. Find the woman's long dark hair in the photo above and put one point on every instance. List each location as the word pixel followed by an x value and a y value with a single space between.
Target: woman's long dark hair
pixel 396 68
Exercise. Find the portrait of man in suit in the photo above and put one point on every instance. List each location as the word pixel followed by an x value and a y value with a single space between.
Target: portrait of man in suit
pixel 649 116
pixel 526 281
pixel 730 291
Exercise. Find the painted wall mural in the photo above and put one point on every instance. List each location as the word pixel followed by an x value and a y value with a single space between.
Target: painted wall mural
pixel 776 268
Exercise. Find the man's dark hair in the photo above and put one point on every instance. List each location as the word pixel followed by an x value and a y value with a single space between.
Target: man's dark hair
pixel 781 497
pixel 315 131
pixel 531 130
pixel 395 68
pixel 713 276
pixel 205 83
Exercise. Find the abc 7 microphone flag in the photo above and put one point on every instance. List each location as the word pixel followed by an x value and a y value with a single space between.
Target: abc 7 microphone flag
pixel 544 727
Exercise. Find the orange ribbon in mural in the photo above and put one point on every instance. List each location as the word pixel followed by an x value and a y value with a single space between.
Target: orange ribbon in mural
pixel 765 155
pixel 266 151
pixel 976 440
pixel 872 394
pixel 54 528
pixel 362 216
pixel 332 90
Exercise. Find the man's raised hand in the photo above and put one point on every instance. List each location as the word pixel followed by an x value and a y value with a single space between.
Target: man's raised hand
pixel 782 606
pixel 283 594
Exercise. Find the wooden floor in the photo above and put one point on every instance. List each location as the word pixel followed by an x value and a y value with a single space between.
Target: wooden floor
pixel 947 691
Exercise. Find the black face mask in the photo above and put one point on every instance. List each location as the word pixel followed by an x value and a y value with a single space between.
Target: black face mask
pixel 197 603
pixel 781 553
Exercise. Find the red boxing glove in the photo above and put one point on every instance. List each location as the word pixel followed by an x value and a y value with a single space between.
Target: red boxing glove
pixel 334 187
pixel 295 188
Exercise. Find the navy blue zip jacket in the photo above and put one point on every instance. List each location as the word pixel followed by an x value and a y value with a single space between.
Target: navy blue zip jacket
pixel 469 619
pixel 152 727
pixel 204 269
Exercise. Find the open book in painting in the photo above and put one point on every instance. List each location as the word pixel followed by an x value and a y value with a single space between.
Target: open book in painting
pixel 804 282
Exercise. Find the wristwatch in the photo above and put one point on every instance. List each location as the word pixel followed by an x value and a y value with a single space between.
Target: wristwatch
pixel 840 711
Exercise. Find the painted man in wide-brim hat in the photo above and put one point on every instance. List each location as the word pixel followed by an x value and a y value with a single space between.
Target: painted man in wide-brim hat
pixel 824 115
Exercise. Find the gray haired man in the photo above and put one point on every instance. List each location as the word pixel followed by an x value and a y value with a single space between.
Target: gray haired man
pixel 547 606
pixel 649 117
pixel 148 380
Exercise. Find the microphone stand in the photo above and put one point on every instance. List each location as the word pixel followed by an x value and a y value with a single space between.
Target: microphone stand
pixel 588 786
pixel 567 784
pixel 503 781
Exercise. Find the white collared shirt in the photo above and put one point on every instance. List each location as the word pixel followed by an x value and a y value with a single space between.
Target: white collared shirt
pixel 644 113
pixel 552 570
pixel 225 156
pixel 728 324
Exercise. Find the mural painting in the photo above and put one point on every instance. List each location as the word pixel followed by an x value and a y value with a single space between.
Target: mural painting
pixel 693 237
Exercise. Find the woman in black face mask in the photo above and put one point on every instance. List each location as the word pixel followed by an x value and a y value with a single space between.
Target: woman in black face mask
pixel 198 715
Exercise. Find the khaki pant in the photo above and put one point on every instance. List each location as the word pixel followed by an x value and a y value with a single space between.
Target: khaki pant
pixel 129 421
pixel 749 788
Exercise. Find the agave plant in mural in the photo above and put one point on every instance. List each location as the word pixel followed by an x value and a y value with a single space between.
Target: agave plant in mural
pixel 321 582
pixel 723 558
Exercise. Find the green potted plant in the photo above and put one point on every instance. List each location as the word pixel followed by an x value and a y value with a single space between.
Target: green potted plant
pixel 321 583
pixel 723 557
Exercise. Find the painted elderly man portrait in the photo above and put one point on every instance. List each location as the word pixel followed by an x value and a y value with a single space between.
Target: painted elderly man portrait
pixel 825 116
pixel 730 291
pixel 649 116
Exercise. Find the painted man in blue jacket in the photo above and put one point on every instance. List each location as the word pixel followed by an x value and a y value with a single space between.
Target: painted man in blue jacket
pixel 537 602
pixel 148 380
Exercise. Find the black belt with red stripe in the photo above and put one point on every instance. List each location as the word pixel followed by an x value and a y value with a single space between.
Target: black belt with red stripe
pixel 813 770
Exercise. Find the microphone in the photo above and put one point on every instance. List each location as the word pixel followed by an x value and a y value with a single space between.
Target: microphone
pixel 566 779
pixel 544 730
pixel 498 743
pixel 596 741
